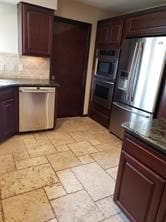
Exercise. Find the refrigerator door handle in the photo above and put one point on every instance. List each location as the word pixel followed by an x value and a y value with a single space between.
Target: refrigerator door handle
pixel 131 71
pixel 130 110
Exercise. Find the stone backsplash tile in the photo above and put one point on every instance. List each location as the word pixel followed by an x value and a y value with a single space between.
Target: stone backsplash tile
pixel 33 67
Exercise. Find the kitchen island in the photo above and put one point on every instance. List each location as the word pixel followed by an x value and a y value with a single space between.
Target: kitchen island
pixel 141 183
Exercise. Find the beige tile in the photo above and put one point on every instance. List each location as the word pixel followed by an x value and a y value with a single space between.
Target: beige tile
pixel 107 146
pixel 86 159
pixel 26 180
pixel 6 164
pixel 95 180
pixel 94 142
pixel 1 220
pixel 108 207
pixel 76 207
pixel 63 160
pixel 61 138
pixel 41 138
pixel 82 148
pixel 54 191
pixel 69 181
pixel 21 155
pixel 81 136
pixel 53 220
pixel 29 207
pixel 31 162
pixel 41 150
pixel 62 148
pixel 113 172
pixel 107 159
pixel 118 218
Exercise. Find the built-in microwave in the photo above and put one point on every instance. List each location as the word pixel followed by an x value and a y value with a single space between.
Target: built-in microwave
pixel 106 64
pixel 103 92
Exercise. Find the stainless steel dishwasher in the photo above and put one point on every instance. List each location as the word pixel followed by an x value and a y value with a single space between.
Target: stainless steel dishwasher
pixel 36 108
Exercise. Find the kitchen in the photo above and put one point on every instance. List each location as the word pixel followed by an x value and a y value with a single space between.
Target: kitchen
pixel 68 171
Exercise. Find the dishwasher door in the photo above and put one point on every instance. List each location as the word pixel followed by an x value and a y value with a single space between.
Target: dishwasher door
pixel 36 108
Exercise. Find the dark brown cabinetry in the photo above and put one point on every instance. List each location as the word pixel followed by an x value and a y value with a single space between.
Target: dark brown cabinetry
pixel 141 182
pixel 148 23
pixel 109 33
pixel 8 113
pixel 35 30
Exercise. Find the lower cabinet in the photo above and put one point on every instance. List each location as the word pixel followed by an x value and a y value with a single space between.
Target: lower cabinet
pixel 8 113
pixel 141 183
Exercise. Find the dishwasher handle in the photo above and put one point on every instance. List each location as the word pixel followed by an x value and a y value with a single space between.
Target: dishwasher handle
pixel 37 90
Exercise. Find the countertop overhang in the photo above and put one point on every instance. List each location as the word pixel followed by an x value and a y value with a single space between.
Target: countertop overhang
pixel 152 132
pixel 4 83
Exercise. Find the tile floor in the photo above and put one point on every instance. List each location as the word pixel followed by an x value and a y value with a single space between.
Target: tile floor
pixel 65 175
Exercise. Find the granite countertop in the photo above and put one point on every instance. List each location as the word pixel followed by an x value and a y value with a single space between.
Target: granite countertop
pixel 26 82
pixel 152 132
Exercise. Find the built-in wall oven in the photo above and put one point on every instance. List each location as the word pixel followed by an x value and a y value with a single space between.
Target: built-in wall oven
pixel 103 92
pixel 105 76
pixel 106 64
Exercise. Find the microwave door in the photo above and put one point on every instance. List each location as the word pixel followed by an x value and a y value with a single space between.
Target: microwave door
pixel 150 65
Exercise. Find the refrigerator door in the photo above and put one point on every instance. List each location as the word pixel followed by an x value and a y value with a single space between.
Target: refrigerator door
pixel 120 114
pixel 139 81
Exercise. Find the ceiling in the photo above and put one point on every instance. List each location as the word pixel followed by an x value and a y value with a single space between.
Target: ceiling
pixel 123 6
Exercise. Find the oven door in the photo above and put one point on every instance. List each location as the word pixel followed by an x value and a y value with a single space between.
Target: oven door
pixel 103 92
pixel 107 68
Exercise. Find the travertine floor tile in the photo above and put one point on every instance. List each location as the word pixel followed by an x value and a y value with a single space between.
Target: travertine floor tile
pixel 62 148
pixel 107 159
pixel 6 164
pixel 26 180
pixel 41 138
pixel 95 180
pixel 108 207
pixel 21 155
pixel 1 220
pixel 113 172
pixel 108 146
pixel 54 191
pixel 76 207
pixel 41 150
pixel 61 138
pixel 53 220
pixel 69 181
pixel 29 207
pixel 82 148
pixel 86 159
pixel 94 142
pixel 81 136
pixel 118 218
pixel 64 160
pixel 31 162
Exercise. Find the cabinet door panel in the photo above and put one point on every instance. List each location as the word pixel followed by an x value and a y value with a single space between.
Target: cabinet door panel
pixel 7 118
pixel 139 190
pixel 115 33
pixel 35 30
pixel 146 24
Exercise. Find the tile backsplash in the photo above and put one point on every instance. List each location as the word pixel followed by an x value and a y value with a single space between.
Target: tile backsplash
pixel 24 67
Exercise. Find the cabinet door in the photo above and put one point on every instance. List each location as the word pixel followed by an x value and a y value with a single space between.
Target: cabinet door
pixel 115 32
pixel 138 190
pixel 146 24
pixel 7 118
pixel 102 34
pixel 36 30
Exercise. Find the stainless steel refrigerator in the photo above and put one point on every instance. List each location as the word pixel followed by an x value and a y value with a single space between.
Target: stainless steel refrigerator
pixel 140 71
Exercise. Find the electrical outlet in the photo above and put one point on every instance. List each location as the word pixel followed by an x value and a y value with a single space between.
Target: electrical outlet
pixel 2 67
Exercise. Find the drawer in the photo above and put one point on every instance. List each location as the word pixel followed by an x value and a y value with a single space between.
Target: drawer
pixel 7 93
pixel 145 154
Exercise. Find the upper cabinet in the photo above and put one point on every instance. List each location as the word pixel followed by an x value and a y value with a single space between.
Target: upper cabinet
pixel 109 33
pixel 35 25
pixel 149 24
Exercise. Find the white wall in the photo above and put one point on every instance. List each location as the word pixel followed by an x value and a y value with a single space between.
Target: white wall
pixel 82 12
pixel 45 3
pixel 8 28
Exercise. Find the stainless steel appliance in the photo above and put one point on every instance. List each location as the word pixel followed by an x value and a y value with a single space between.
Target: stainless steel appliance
pixel 140 71
pixel 36 108
pixel 106 64
pixel 103 92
